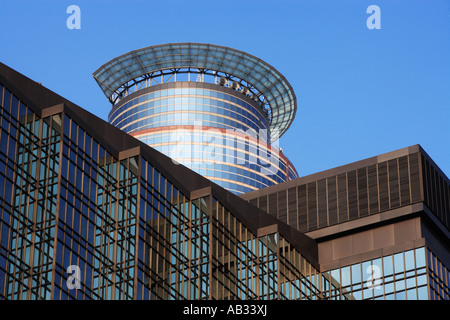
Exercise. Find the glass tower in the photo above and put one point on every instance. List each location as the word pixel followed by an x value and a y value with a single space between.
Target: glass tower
pixel 216 110
pixel 89 212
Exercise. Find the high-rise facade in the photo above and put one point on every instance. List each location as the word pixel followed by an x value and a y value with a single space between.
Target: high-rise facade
pixel 217 110
pixel 89 212
pixel 381 224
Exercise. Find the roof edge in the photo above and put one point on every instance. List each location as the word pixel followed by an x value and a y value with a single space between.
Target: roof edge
pixel 42 100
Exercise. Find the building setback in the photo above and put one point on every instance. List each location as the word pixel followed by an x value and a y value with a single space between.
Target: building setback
pixel 217 110
pixel 81 199
pixel 387 214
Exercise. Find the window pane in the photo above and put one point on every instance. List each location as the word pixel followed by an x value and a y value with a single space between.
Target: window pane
pixel 335 275
pixel 422 293
pixel 411 294
pixel 356 273
pixel 400 285
pixel 345 276
pixel 14 107
pixel 389 288
pixel 421 280
pixel 411 282
pixel 400 295
pixel 368 293
pixel 366 270
pixel 398 262
pixel 390 297
pixel 387 265
pixel 377 265
pixel 409 260
pixel 357 295
pixel 6 100
pixel 420 257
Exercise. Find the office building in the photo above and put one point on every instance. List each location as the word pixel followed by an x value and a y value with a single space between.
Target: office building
pixel 87 211
pixel 217 110
pixel 381 224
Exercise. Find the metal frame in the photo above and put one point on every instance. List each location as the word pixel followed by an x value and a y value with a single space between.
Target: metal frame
pixel 146 81
pixel 122 74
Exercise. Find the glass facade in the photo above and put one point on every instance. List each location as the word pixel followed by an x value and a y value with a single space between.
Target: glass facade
pixel 439 278
pixel 81 221
pixel 68 204
pixel 187 106
pixel 400 276
pixel 118 76
pixel 209 254
pixel 29 164
pixel 217 132
pixel 216 110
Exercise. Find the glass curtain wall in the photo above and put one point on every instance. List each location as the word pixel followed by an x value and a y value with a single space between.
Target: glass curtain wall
pixel 67 203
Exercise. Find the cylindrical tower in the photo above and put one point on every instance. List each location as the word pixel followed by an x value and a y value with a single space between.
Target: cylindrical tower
pixel 216 110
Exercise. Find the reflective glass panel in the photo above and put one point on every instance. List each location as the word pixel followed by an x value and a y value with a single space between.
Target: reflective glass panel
pixel 387 265
pixel 420 257
pixel 345 273
pixel 409 260
pixel 356 273
pixel 398 262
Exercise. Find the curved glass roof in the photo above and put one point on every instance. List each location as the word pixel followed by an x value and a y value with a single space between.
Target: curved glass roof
pixel 266 79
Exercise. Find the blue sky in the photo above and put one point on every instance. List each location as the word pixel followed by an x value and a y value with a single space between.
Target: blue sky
pixel 360 92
